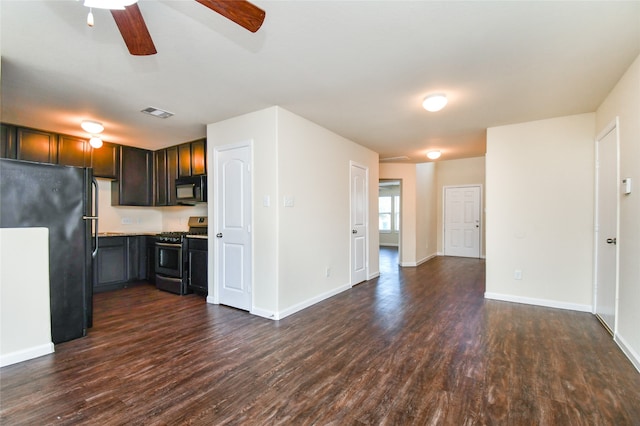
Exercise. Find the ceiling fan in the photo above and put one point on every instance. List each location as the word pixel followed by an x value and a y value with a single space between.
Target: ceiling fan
pixel 134 31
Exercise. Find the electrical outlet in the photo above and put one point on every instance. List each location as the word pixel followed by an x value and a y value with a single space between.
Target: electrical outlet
pixel 328 272
pixel 517 274
pixel 126 221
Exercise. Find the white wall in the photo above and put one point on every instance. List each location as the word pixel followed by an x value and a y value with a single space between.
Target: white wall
pixel 314 168
pixel 293 246
pixel 466 171
pixel 426 212
pixel 624 102
pixel 418 210
pixel 25 319
pixel 261 129
pixel 406 173
pixel 539 219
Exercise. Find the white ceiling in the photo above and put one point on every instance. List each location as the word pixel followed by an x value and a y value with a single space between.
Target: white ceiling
pixel 358 68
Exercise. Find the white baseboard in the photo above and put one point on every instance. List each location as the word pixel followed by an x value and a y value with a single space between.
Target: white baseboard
pixel 299 306
pixel 419 262
pixel 374 275
pixel 628 351
pixel 26 354
pixel 264 313
pixel 319 298
pixel 538 302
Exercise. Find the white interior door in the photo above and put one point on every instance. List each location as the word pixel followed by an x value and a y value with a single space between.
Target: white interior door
pixel 606 226
pixel 462 221
pixel 233 226
pixel 359 231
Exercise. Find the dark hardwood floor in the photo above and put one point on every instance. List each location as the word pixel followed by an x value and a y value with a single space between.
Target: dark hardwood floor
pixel 417 346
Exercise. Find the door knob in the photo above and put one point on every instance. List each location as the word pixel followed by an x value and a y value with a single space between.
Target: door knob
pixel 611 241
pixel 219 235
pixel 353 231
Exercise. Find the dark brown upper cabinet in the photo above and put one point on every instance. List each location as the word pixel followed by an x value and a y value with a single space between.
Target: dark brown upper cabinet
pixel 73 151
pixel 172 175
pixel 7 141
pixel 36 145
pixel 192 158
pixel 184 159
pixel 135 184
pixel 165 175
pixel 199 157
pixel 105 160
pixel 160 177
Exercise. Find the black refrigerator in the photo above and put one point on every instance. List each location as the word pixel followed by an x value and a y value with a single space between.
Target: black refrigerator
pixel 62 199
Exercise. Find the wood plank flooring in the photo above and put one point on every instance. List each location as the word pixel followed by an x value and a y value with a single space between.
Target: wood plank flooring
pixel 418 346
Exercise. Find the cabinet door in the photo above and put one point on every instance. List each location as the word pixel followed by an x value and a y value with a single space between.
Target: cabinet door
pixel 198 265
pixel 160 175
pixel 36 145
pixel 111 269
pixel 172 175
pixel 7 141
pixel 73 151
pixel 184 159
pixel 105 160
pixel 133 257
pixel 151 259
pixel 199 157
pixel 134 187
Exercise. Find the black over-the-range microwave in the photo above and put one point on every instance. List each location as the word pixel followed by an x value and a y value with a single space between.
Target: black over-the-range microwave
pixel 192 189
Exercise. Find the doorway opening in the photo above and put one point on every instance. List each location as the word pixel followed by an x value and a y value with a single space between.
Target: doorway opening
pixel 390 224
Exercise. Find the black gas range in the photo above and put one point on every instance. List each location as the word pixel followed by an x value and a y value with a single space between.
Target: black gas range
pixel 171 260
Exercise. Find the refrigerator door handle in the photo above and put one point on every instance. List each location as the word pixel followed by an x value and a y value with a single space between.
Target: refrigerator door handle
pixel 94 217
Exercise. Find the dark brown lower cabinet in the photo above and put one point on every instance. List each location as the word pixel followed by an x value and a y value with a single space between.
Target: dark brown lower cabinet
pixel 120 261
pixel 198 266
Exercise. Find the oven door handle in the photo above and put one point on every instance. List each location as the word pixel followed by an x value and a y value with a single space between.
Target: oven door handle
pixel 169 245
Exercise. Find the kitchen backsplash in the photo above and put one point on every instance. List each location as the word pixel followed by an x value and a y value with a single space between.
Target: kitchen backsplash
pixel 142 219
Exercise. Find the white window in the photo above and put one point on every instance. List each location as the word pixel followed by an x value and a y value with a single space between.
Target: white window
pixel 384 213
pixel 389 213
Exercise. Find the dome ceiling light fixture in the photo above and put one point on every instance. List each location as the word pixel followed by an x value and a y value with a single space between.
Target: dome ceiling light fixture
pixel 95 142
pixel 435 102
pixel 92 127
pixel 434 155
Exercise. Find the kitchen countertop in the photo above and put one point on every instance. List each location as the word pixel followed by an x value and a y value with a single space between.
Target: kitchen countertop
pixel 125 234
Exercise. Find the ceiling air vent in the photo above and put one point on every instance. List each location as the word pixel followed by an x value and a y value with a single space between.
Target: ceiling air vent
pixel 402 158
pixel 157 112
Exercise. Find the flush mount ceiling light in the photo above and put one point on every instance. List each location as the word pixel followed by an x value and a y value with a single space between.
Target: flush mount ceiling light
pixel 109 4
pixel 156 112
pixel 105 4
pixel 95 142
pixel 434 155
pixel 92 127
pixel 435 102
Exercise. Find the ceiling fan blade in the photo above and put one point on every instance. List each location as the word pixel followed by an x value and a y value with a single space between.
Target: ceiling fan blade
pixel 134 30
pixel 241 12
